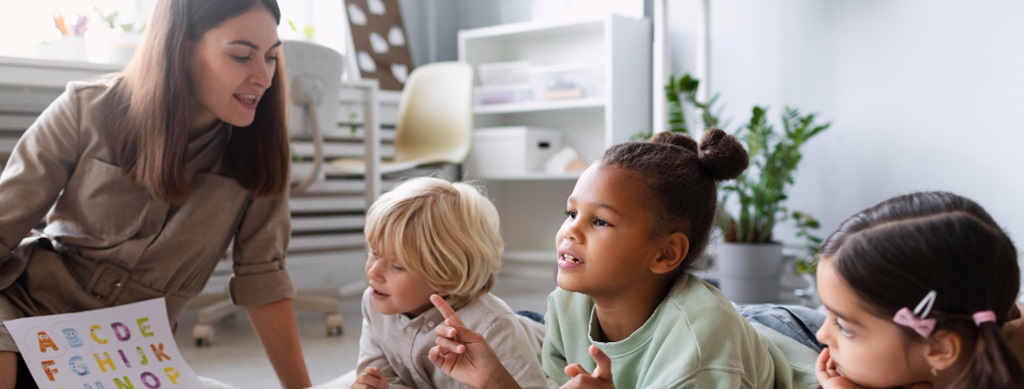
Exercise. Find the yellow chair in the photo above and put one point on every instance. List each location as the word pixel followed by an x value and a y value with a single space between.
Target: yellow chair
pixel 435 120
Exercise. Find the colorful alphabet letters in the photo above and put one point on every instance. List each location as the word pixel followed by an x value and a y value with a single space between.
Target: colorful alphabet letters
pixel 128 346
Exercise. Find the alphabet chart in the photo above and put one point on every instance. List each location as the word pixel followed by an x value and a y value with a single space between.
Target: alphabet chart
pixel 122 347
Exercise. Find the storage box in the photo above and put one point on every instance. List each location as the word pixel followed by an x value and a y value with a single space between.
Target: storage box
pixel 511 151
pixel 503 94
pixel 568 81
pixel 504 73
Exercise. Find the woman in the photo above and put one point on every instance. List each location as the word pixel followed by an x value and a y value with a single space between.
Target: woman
pixel 147 177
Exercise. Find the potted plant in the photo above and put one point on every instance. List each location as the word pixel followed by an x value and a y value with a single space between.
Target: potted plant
pixel 806 264
pixel 749 262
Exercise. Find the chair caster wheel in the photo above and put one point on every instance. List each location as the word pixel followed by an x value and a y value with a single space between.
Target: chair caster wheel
pixel 333 324
pixel 202 335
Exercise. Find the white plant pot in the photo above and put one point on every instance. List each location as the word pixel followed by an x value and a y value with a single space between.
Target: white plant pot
pixel 749 273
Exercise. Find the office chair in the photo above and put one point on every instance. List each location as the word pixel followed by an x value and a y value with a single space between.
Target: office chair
pixel 435 120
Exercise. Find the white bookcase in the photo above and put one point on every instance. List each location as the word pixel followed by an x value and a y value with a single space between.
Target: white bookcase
pixel 532 205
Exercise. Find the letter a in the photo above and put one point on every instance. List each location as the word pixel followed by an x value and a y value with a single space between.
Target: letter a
pixel 45 341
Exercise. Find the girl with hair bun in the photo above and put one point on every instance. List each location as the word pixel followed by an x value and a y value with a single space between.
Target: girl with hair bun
pixel 921 292
pixel 627 312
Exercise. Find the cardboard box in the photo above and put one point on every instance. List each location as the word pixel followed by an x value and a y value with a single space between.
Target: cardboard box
pixel 511 151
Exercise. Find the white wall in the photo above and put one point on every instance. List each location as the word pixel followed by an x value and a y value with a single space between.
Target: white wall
pixel 922 94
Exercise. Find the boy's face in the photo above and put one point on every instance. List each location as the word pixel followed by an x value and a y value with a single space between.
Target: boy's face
pixel 606 242
pixel 866 349
pixel 395 288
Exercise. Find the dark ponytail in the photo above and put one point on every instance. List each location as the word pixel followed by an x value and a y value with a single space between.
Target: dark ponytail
pixel 992 364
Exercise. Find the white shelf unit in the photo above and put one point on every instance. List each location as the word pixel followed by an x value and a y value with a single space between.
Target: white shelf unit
pixel 532 205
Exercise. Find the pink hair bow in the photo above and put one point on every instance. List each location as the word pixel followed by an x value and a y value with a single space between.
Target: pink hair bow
pixel 983 316
pixel 917 320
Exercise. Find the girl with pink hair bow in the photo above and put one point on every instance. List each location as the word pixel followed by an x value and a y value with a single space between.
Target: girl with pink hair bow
pixel 920 291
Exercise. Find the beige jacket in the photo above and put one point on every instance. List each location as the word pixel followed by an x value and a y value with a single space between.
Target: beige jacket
pixel 115 243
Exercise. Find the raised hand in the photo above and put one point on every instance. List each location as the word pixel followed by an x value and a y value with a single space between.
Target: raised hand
pixel 464 354
pixel 602 377
pixel 828 376
pixel 372 378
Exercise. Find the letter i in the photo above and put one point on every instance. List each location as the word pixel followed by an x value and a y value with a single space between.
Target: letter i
pixel 124 358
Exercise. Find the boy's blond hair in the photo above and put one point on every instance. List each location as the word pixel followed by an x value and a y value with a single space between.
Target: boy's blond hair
pixel 449 232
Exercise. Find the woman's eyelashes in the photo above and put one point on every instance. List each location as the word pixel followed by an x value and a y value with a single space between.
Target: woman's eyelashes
pixel 247 58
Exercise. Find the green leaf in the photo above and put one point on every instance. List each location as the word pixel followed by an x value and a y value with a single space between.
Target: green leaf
pixel 761 191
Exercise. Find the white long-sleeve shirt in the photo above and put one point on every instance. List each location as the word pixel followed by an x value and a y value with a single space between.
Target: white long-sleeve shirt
pixel 399 346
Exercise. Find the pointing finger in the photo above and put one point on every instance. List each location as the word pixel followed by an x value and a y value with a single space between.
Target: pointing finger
pixel 446 310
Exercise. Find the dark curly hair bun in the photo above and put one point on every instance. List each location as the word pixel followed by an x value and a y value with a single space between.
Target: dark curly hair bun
pixel 722 155
pixel 672 138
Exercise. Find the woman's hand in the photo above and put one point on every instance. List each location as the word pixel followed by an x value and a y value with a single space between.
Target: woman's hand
pixel 465 355
pixel 602 377
pixel 372 378
pixel 827 374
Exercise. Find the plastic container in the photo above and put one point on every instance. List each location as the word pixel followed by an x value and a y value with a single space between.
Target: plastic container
pixel 511 151
pixel 502 94
pixel 568 81
pixel 504 73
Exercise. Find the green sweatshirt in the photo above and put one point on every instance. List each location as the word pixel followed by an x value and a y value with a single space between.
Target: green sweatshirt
pixel 694 339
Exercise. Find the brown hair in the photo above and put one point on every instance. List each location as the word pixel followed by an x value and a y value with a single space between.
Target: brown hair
pixel 681 177
pixel 152 116
pixel 896 252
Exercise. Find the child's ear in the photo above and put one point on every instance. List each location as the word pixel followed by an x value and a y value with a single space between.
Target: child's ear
pixel 677 245
pixel 944 350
